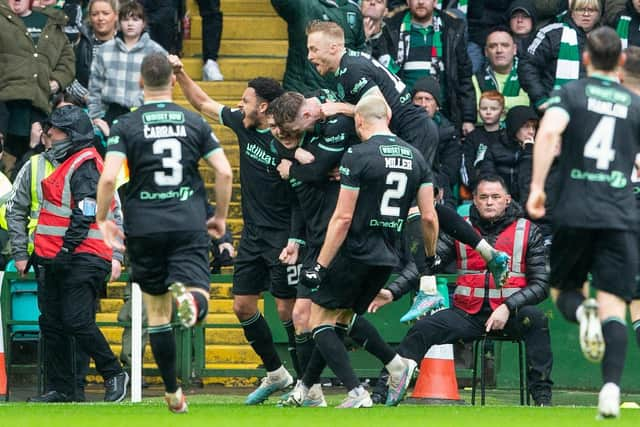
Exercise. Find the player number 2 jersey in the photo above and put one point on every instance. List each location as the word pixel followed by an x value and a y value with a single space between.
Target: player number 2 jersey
pixel 388 173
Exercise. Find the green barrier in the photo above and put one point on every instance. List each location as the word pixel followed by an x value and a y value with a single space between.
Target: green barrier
pixel 571 370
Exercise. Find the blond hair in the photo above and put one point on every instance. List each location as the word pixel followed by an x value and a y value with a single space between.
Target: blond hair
pixel 330 29
pixel 579 4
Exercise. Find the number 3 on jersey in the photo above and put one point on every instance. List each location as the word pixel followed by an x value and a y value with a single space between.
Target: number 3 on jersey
pixel 171 162
pixel 598 147
pixel 394 193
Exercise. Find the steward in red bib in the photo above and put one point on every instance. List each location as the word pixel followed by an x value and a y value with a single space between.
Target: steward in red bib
pixel 474 281
pixel 57 206
pixel 72 261
pixel 478 305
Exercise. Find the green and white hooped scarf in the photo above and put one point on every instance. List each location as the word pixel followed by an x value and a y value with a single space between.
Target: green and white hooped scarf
pixel 568 65
pixel 511 85
pixel 404 43
pixel 623 30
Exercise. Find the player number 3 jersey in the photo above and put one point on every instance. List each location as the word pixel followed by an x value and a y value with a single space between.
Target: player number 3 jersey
pixel 163 144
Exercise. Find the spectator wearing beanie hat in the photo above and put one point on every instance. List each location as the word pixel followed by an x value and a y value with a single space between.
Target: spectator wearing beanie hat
pixel 427 93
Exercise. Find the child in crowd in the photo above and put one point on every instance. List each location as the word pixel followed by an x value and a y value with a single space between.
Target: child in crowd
pixel 490 132
pixel 114 83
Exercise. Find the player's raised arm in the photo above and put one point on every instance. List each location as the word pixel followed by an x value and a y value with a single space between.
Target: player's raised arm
pixel 196 96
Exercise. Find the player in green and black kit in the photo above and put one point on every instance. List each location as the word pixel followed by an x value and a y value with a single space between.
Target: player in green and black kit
pixel 359 76
pixel 326 140
pixel 379 180
pixel 165 221
pixel 266 211
pixel 597 123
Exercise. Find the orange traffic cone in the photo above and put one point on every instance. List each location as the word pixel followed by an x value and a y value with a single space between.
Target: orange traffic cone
pixel 437 380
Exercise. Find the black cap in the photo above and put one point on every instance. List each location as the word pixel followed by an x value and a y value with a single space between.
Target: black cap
pixel 525 6
pixel 73 121
pixel 517 117
pixel 429 85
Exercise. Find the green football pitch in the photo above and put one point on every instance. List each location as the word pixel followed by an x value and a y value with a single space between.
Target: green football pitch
pixel 228 410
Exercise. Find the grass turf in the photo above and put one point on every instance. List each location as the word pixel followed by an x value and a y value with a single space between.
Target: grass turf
pixel 216 410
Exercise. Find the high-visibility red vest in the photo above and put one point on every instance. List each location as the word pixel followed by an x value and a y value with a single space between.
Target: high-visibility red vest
pixel 474 280
pixel 55 213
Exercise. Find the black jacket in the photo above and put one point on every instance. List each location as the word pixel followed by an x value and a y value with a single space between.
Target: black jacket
pixel 523 42
pixel 457 65
pixel 83 49
pixel 537 288
pixel 537 68
pixel 502 159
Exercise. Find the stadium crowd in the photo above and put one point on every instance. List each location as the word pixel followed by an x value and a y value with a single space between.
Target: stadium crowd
pixel 459 87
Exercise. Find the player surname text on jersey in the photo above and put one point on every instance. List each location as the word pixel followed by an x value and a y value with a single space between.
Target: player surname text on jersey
pixel 164 131
pixel 608 108
pixel 398 163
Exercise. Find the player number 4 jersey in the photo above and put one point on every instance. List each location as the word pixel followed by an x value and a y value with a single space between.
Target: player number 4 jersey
pixel 598 150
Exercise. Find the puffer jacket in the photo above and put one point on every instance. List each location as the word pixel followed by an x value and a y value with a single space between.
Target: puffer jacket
pixel 457 65
pixel 26 68
pixel 537 288
pixel 537 68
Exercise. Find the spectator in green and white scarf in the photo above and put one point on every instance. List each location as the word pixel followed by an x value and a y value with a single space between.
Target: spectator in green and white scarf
pixel 627 24
pixel 553 58
pixel 500 71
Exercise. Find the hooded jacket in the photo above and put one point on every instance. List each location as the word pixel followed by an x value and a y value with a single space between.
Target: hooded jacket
pixel 27 68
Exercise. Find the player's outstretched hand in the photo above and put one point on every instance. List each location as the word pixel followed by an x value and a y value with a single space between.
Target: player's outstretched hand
pixel 535 204
pixel 176 63
pixel 313 277
pixel 383 298
pixel 216 227
pixel 112 234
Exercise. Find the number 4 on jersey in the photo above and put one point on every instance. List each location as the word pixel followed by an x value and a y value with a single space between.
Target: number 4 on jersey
pixel 598 147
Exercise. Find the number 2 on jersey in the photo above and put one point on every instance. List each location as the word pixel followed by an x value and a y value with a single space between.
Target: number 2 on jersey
pixel 598 147
pixel 394 193
pixel 172 161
